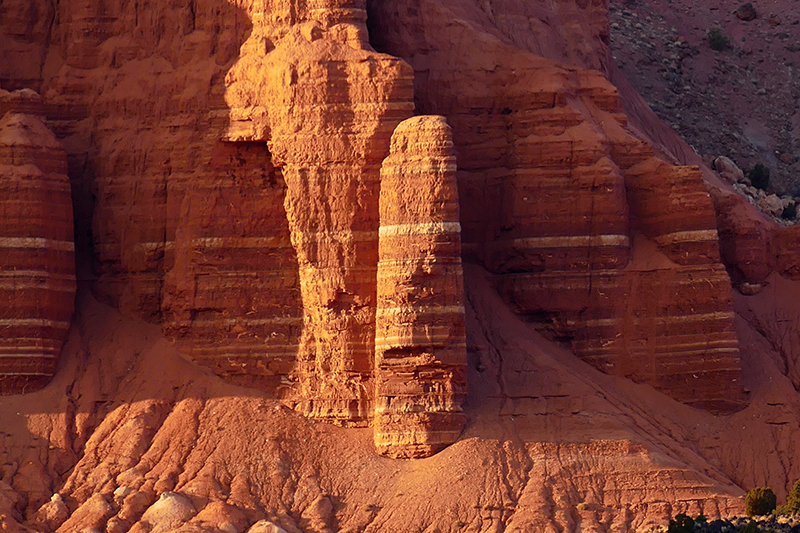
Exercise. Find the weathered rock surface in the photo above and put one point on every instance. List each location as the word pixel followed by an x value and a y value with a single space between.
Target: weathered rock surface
pixel 37 263
pixel 746 12
pixel 727 169
pixel 232 299
pixel 235 154
pixel 533 133
pixel 420 343
pixel 331 104
pixel 164 425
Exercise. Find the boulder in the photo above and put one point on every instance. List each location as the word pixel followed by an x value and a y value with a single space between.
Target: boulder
pixel 746 12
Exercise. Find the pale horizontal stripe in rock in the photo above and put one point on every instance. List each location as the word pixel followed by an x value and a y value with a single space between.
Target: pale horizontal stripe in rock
pixel 726 343
pixel 150 246
pixel 411 340
pixel 35 273
pixel 413 166
pixel 27 356
pixel 421 228
pixel 37 243
pixel 645 352
pixel 247 321
pixel 686 353
pixel 341 236
pixel 589 281
pixel 35 284
pixel 27 374
pixel 436 260
pixel 706 235
pixel 28 349
pixel 422 310
pixel 659 320
pixel 33 322
pixel 241 242
pixel 573 241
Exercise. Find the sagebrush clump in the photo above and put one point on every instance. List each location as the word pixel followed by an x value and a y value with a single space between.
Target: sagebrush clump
pixel 681 524
pixel 717 40
pixel 760 501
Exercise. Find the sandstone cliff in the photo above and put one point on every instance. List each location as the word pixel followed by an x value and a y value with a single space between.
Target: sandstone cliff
pixel 253 194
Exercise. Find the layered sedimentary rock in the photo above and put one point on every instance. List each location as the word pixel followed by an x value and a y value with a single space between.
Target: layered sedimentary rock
pixel 420 343
pixel 331 106
pixel 37 264
pixel 553 188
pixel 232 298
pixel 249 105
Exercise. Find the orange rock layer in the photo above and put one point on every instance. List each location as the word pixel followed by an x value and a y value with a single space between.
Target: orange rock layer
pixel 234 165
pixel 330 105
pixel 420 343
pixel 232 300
pixel 593 239
pixel 37 264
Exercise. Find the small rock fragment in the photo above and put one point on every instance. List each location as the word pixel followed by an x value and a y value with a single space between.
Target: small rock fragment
pixel 746 12
pixel 265 526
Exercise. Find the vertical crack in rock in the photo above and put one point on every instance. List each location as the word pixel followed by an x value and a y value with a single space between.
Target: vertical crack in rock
pixel 420 344
pixel 37 250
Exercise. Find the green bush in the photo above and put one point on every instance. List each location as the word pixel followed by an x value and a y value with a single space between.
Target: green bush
pixel 681 524
pixel 793 499
pixel 717 40
pixel 750 527
pixel 759 177
pixel 759 501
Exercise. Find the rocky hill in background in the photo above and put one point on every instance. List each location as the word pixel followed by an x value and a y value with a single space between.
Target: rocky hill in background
pixel 737 98
pixel 361 266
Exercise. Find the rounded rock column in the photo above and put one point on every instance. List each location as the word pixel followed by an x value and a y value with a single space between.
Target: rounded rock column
pixel 420 345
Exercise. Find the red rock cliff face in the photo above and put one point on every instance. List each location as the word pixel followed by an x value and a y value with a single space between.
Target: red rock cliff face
pixel 37 263
pixel 554 189
pixel 331 105
pixel 242 213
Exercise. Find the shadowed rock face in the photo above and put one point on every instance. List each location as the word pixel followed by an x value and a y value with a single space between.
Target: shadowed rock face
pixel 554 189
pixel 420 343
pixel 37 263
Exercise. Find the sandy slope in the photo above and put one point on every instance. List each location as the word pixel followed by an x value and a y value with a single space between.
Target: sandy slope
pixel 740 102
pixel 550 442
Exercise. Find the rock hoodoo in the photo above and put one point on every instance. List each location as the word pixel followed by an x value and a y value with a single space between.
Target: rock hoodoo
pixel 420 343
pixel 37 263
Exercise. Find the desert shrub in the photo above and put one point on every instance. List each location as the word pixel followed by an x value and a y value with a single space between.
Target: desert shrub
pixel 681 524
pixel 759 177
pixel 793 499
pixel 759 501
pixel 717 40
pixel 790 213
pixel 750 527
